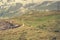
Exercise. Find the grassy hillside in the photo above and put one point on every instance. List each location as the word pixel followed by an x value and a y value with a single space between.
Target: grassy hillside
pixel 37 26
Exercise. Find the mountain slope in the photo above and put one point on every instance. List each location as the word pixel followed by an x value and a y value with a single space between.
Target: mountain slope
pixel 47 5
pixel 37 26
pixel 10 10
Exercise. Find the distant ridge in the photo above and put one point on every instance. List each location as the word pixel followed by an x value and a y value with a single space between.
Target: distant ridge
pixel 46 5
pixel 14 9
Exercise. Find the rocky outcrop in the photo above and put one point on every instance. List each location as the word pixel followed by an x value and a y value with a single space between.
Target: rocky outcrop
pixel 4 25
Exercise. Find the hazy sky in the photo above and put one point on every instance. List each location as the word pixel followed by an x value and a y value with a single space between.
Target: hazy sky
pixel 34 0
pixel 29 1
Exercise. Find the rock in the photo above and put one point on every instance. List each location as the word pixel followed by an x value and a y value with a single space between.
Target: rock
pixel 7 25
pixel 56 31
pixel 54 38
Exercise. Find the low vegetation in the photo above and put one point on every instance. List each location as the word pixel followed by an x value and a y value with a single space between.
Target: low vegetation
pixel 37 26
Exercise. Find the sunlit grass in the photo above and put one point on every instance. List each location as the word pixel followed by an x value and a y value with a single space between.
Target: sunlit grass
pixel 37 26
